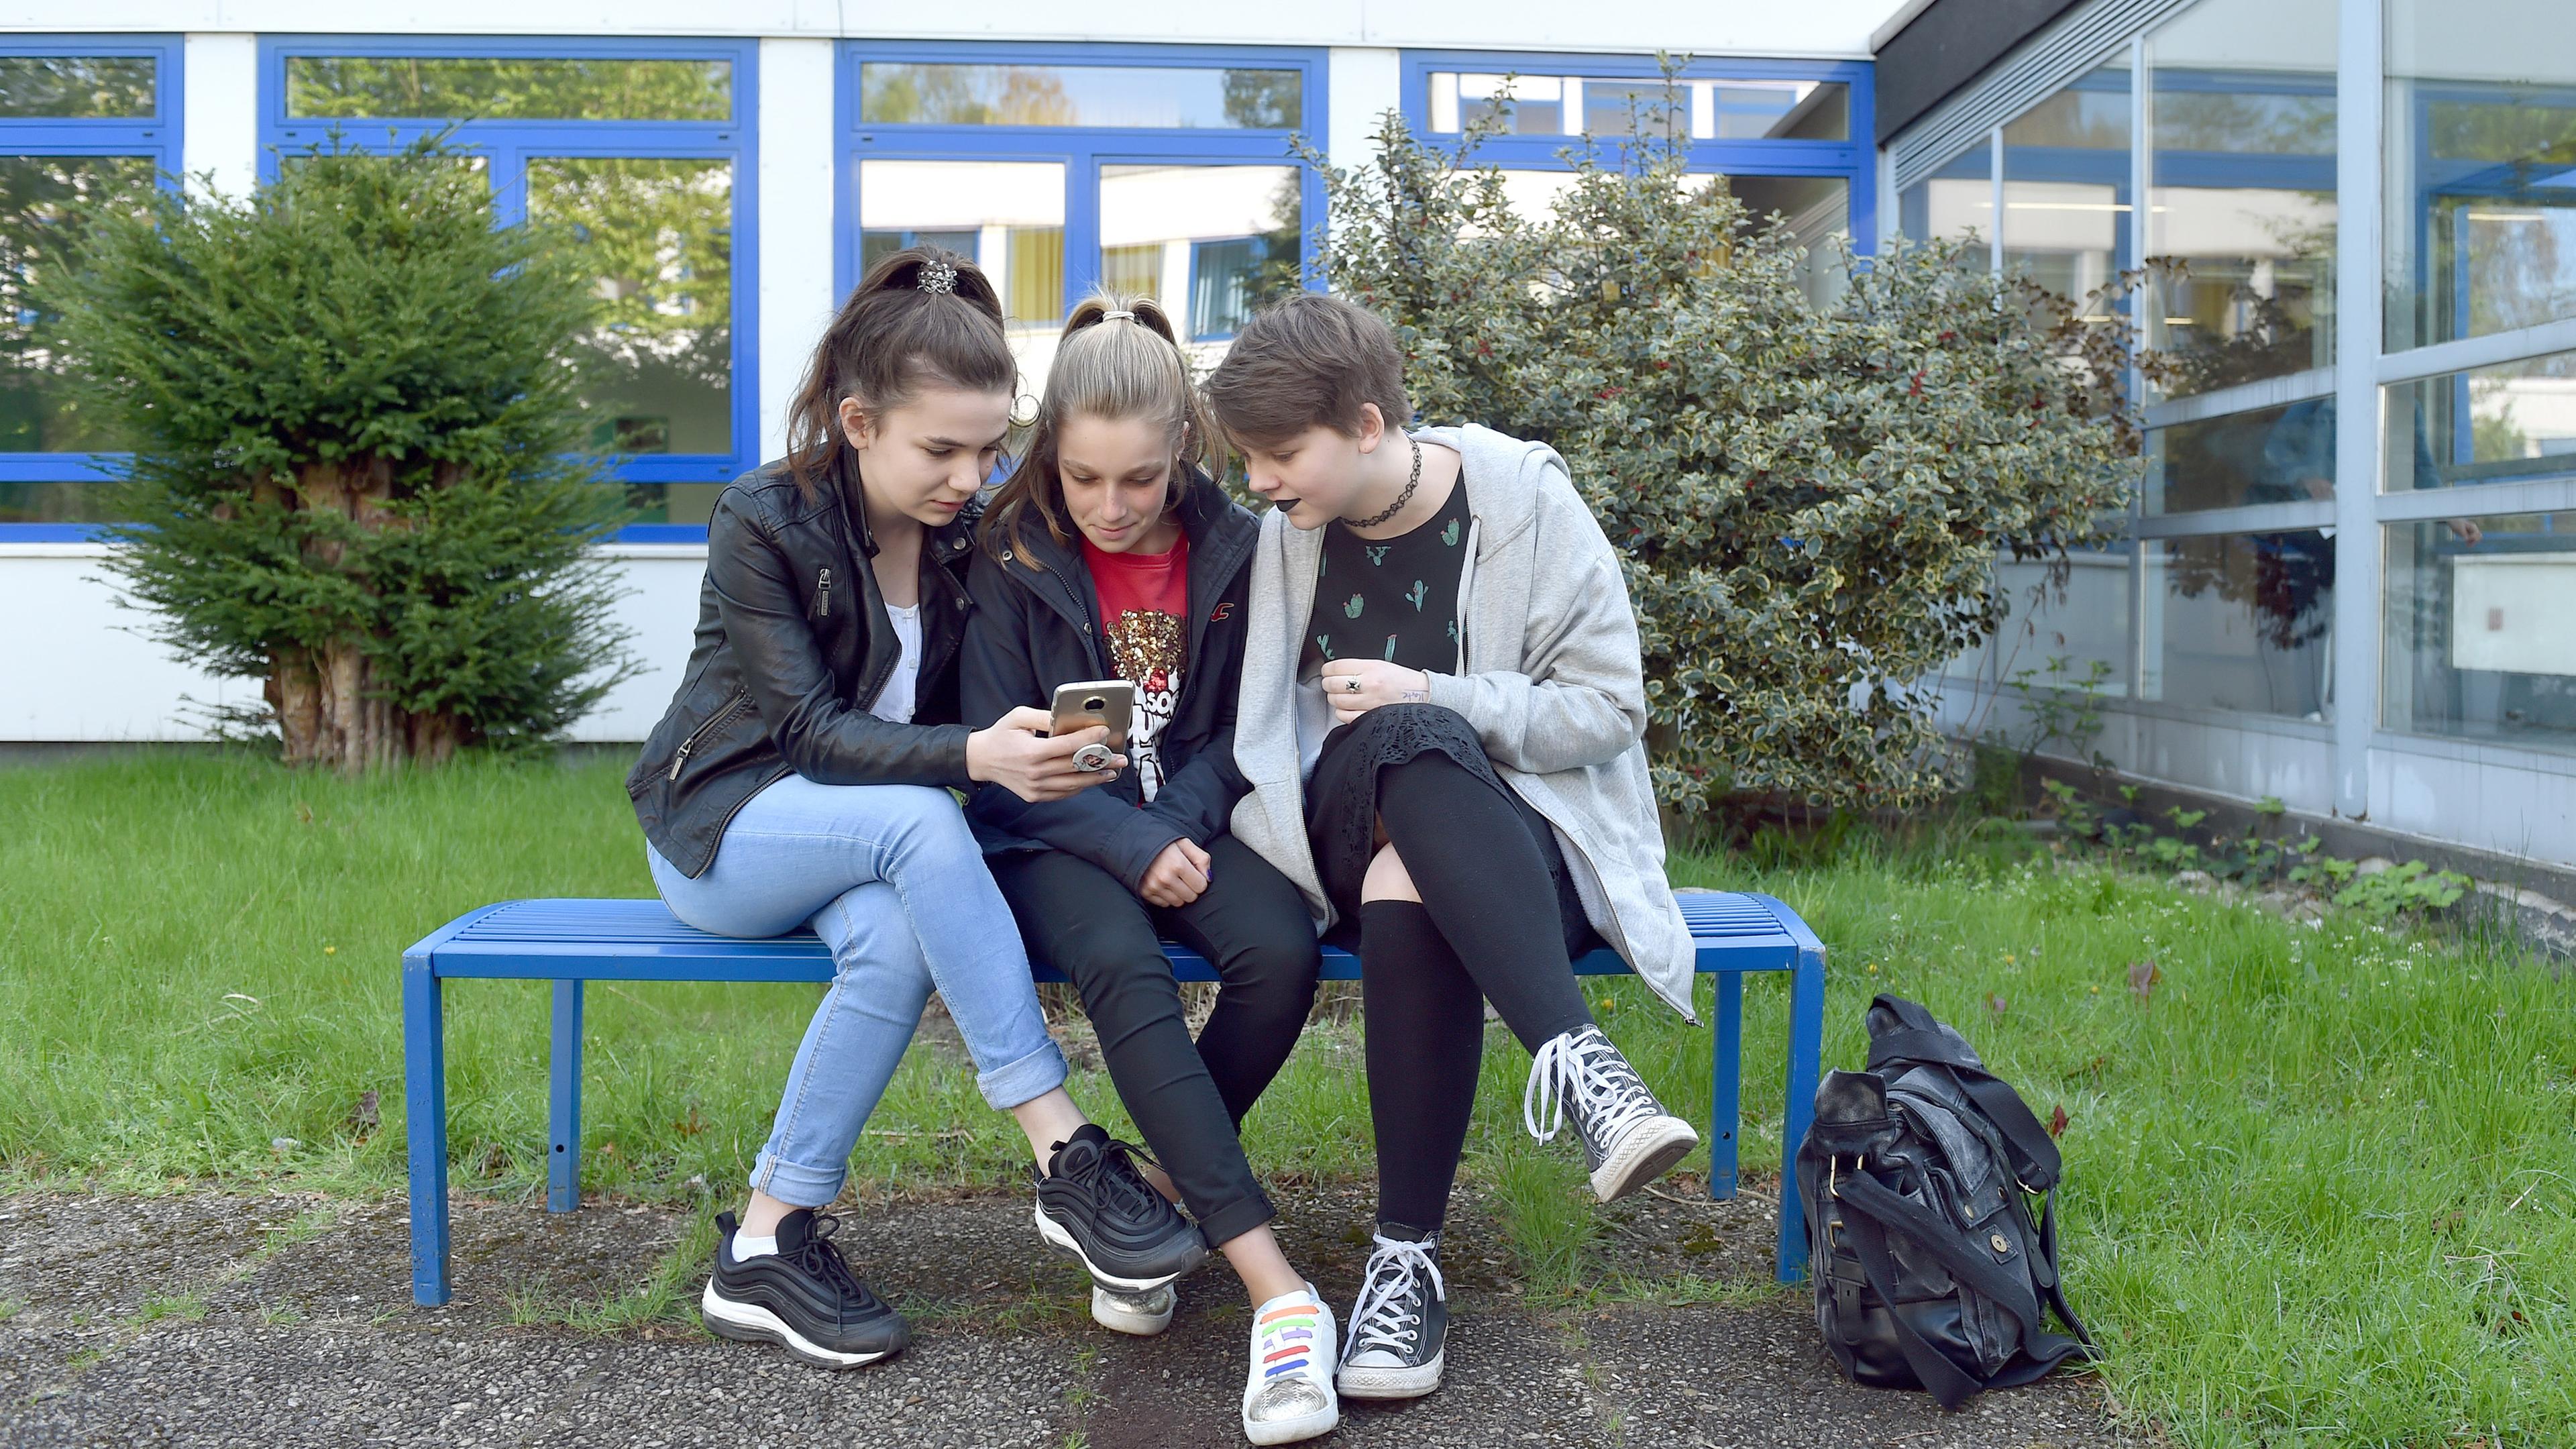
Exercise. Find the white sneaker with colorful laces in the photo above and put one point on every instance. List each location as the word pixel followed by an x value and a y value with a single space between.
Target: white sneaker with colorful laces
pixel 1288 1395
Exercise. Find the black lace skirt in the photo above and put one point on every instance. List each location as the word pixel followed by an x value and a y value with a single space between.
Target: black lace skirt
pixel 1341 808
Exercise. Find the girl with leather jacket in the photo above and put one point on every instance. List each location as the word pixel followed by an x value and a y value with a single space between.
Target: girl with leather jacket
pixel 802 776
pixel 1111 554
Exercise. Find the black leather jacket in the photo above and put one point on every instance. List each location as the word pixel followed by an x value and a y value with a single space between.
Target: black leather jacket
pixel 793 645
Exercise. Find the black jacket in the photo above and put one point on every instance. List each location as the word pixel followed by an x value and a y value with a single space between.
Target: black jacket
pixel 1036 626
pixel 793 645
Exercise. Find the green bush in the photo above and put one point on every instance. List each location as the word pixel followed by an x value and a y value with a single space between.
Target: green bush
pixel 1810 503
pixel 356 474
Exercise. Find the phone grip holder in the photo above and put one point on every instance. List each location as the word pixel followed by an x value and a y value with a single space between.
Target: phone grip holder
pixel 1091 757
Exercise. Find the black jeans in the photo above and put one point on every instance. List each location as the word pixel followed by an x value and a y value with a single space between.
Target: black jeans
pixel 1188 1099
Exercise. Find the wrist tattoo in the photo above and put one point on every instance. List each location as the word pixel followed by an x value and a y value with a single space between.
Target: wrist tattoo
pixel 1415 695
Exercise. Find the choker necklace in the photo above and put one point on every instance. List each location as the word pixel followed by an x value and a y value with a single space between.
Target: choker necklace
pixel 1401 499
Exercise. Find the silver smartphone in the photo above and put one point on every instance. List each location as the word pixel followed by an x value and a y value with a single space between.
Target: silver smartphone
pixel 1110 703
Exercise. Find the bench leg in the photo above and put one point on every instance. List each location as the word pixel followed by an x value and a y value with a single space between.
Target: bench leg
pixel 563 1157
pixel 1806 1053
pixel 1725 1085
pixel 425 1119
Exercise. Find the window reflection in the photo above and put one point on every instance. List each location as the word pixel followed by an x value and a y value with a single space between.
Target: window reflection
pixel 509 88
pixel 2481 150
pixel 2065 629
pixel 76 86
pixel 2242 95
pixel 2241 622
pixel 1611 107
pixel 2507 424
pixel 41 205
pixel 1211 243
pixel 657 371
pixel 1006 216
pixel 1817 210
pixel 1956 201
pixel 2066 185
pixel 1117 96
pixel 2476 638
pixel 2280 454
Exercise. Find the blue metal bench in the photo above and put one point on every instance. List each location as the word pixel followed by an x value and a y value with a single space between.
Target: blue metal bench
pixel 569 942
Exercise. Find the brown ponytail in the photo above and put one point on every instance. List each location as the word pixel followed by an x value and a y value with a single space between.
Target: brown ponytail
pixel 890 338
pixel 1106 367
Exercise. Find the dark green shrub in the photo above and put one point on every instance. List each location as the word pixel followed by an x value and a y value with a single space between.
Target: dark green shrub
pixel 356 474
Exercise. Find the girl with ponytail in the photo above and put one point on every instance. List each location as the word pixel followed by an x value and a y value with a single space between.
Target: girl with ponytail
pixel 1111 554
pixel 802 775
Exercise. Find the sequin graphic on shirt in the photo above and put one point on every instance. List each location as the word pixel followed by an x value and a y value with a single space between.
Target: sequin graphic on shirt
pixel 1146 646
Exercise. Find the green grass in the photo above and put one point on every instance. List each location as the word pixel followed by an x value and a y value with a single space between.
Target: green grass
pixel 2318 1179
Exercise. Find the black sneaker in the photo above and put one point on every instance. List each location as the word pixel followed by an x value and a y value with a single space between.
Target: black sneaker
pixel 1399 1331
pixel 1629 1140
pixel 1094 1204
pixel 802 1297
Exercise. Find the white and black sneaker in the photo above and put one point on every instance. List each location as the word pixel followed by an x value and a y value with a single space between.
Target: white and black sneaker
pixel 803 1297
pixel 1399 1331
pixel 1094 1204
pixel 1628 1138
pixel 1142 1314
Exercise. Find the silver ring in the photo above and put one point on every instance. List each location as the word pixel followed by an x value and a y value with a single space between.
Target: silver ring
pixel 1355 686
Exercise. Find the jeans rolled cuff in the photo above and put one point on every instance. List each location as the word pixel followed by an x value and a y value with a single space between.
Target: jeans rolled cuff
pixel 1236 1218
pixel 796 1184
pixel 1025 1080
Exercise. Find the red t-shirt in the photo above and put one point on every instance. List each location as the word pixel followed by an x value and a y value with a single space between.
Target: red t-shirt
pixel 1145 610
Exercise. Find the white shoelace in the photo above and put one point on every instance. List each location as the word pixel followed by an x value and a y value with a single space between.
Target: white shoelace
pixel 1583 1069
pixel 1378 1320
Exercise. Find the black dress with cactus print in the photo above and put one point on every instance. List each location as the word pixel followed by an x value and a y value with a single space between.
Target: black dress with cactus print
pixel 1397 599
pixel 1390 598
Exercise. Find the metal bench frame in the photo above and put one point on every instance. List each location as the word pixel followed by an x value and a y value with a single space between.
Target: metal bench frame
pixel 570 942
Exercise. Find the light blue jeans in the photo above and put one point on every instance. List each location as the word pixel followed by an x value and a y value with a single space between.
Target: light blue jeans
pixel 893 881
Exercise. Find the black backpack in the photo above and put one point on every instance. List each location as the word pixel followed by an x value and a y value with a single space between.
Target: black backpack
pixel 1917 1176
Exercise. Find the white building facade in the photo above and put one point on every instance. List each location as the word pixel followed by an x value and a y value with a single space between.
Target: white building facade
pixel 2347 584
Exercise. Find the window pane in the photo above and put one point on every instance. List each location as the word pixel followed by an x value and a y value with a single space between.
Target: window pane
pixel 2481 168
pixel 1818 210
pixel 2243 96
pixel 1615 108
pixel 1220 239
pixel 658 233
pixel 1741 110
pixel 2512 423
pixel 2066 185
pixel 1080 95
pixel 2268 455
pixel 1527 105
pixel 2070 632
pixel 2242 622
pixel 76 85
pixel 2477 640
pixel 1008 216
pixel 674 502
pixel 40 201
pixel 1956 201
pixel 515 89
pixel 58 503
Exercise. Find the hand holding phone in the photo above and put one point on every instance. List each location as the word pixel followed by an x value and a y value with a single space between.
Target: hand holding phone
pixel 1105 704
pixel 1020 753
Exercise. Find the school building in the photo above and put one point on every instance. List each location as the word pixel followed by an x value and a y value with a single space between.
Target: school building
pixel 2347 584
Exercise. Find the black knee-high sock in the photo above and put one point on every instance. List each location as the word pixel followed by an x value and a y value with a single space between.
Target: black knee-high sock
pixel 1486 886
pixel 1426 1038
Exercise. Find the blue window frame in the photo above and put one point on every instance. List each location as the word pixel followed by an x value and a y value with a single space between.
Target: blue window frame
pixel 1057 167
pixel 131 135
pixel 670 123
pixel 1785 119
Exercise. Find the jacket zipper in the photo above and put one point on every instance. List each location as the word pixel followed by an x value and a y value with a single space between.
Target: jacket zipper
pixel 823 594
pixel 732 708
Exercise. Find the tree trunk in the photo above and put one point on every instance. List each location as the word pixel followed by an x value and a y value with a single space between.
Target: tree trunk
pixel 330 709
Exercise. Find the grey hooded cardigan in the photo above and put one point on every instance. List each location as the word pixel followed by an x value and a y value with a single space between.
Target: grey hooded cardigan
pixel 1549 674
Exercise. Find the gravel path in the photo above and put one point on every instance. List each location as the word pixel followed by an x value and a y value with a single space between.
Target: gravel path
pixel 206 1319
